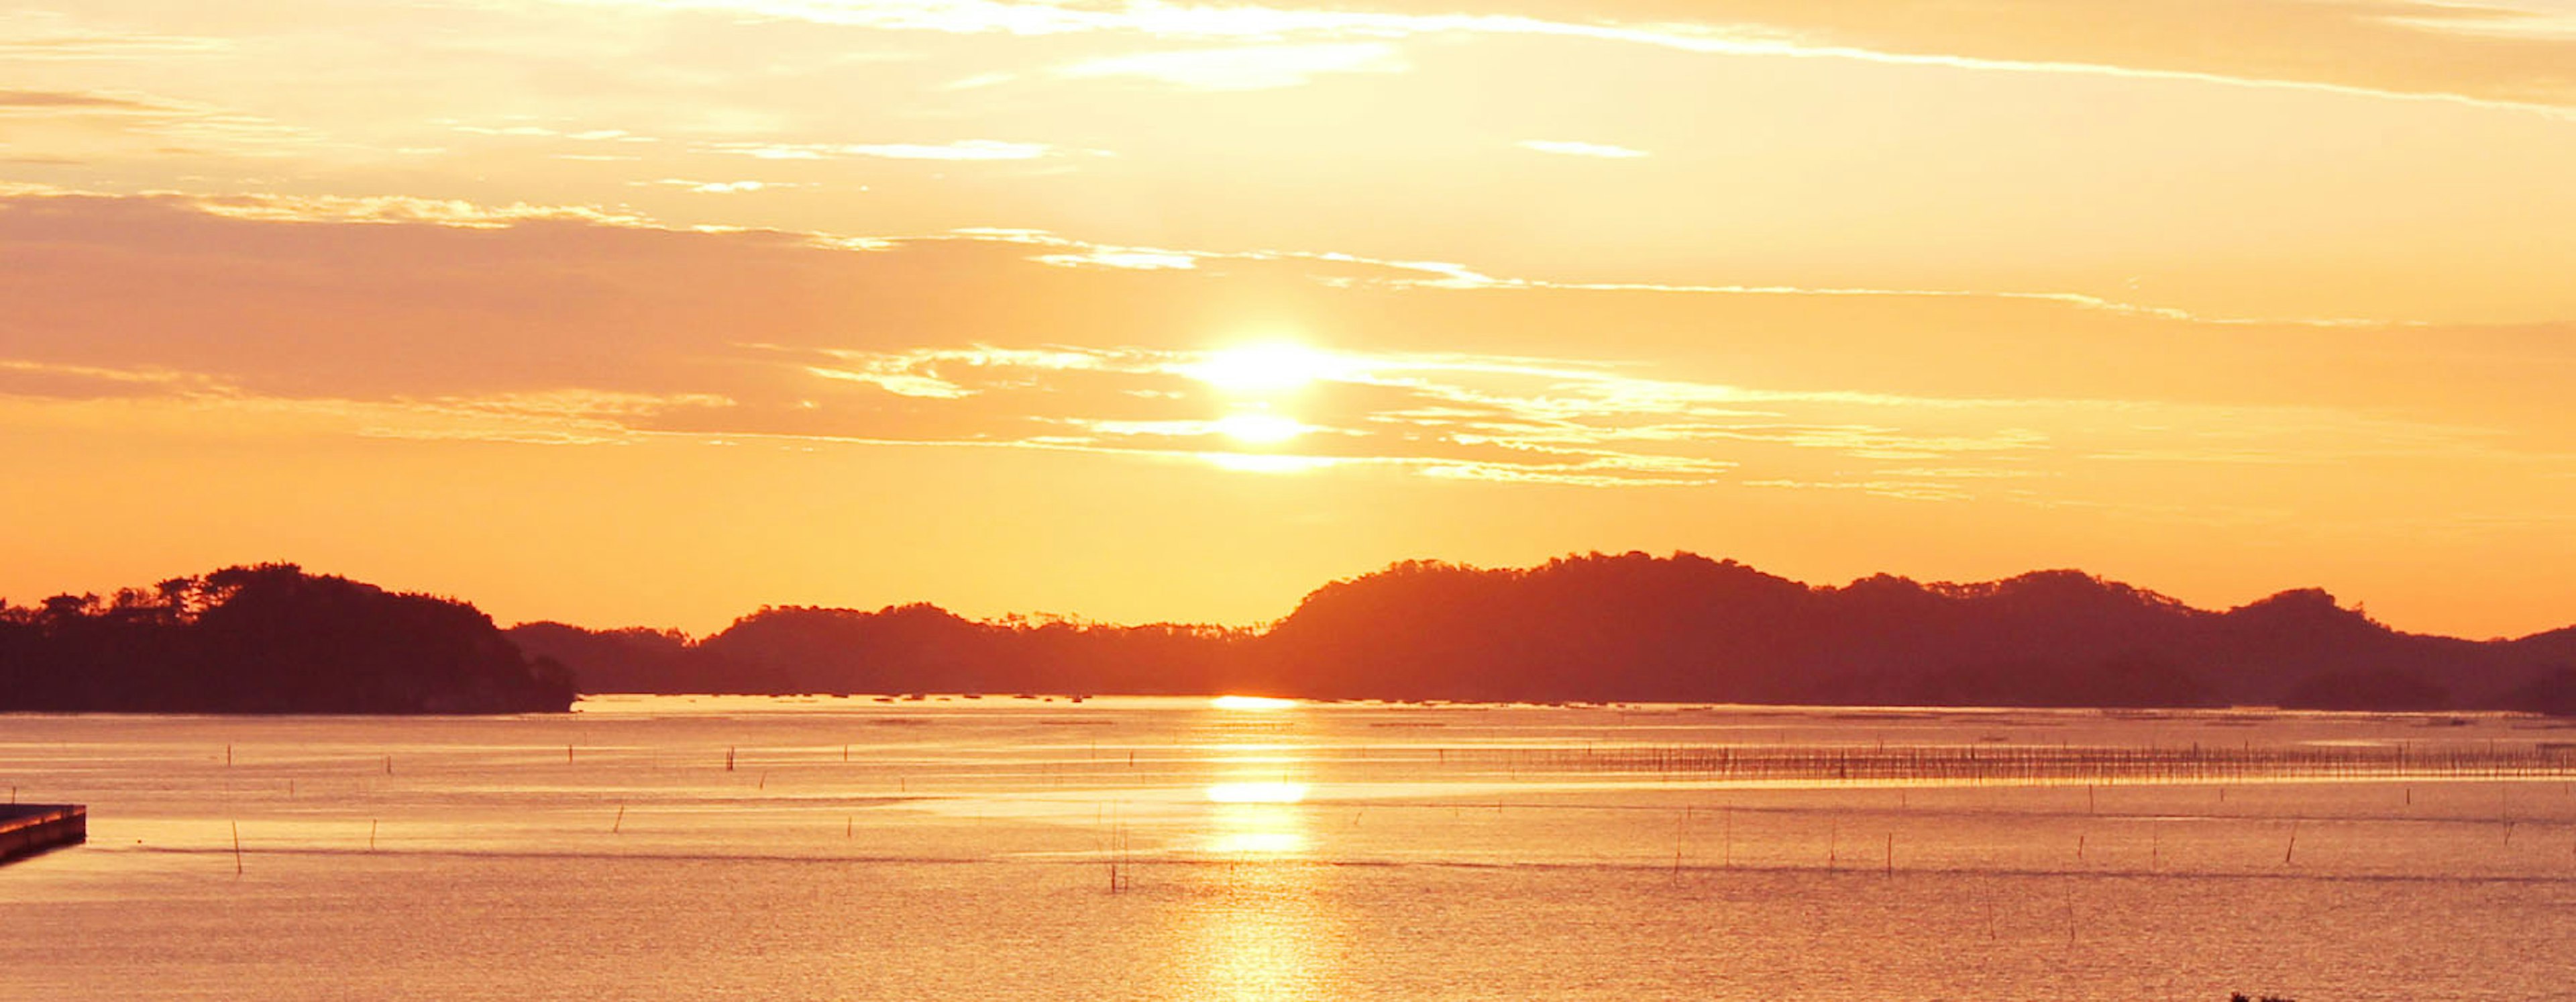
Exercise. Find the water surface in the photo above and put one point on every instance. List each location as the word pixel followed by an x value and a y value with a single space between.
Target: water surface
pixel 955 848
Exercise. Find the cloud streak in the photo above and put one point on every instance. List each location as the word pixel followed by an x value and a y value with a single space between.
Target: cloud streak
pixel 1021 340
pixel 2391 48
pixel 1243 68
pixel 958 150
pixel 1570 148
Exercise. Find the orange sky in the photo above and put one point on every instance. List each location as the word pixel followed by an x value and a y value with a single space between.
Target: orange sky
pixel 653 311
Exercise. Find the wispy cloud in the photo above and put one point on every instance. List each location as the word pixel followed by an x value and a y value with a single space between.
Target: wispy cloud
pixel 48 100
pixel 2395 48
pixel 1499 418
pixel 529 131
pixel 722 187
pixel 48 35
pixel 963 149
pixel 77 124
pixel 399 209
pixel 1259 67
pixel 789 337
pixel 1580 149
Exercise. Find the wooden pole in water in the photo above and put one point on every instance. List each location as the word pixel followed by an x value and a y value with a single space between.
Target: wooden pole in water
pixel 1891 854
pixel 615 826
pixel 371 834
pixel 237 857
pixel 1681 834
pixel 2294 842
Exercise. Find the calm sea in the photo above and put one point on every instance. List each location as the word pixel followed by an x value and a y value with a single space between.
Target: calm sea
pixel 1000 848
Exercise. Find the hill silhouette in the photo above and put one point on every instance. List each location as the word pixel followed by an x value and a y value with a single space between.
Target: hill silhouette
pixel 1630 627
pixel 267 639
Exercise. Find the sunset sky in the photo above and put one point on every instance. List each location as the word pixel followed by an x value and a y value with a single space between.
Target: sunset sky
pixel 654 311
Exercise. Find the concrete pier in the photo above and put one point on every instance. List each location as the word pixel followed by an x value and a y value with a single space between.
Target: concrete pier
pixel 28 829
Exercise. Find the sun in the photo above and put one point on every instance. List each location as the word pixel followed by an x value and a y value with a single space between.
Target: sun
pixel 1265 368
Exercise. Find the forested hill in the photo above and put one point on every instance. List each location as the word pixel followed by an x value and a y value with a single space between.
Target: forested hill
pixel 1631 628
pixel 267 639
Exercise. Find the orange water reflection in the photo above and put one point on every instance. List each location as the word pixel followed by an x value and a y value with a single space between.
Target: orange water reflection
pixel 1259 922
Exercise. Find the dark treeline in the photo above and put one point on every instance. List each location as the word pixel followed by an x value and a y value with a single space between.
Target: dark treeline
pixel 899 649
pixel 1630 628
pixel 267 639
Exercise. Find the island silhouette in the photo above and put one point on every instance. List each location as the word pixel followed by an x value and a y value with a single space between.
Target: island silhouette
pixel 1591 628
pixel 267 639
pixel 1628 628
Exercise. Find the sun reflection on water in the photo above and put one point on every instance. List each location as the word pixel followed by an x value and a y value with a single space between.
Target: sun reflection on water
pixel 1256 793
pixel 1261 927
pixel 1251 703
pixel 1259 843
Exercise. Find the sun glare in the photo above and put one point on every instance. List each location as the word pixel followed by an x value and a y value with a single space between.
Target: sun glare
pixel 1258 843
pixel 1251 703
pixel 1259 428
pixel 1274 367
pixel 1253 462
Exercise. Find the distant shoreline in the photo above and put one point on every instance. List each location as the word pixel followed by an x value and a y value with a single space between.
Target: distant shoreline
pixel 1594 629
pixel 1629 628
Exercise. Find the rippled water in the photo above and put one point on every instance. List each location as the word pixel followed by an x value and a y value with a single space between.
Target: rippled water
pixel 1172 849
